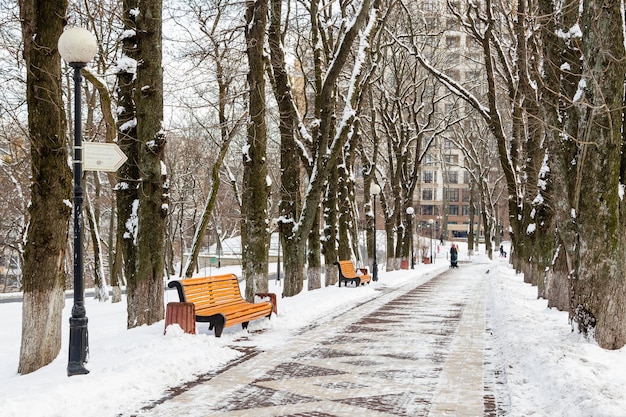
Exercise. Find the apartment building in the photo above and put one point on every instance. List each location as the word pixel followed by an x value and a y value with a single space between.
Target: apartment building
pixel 443 194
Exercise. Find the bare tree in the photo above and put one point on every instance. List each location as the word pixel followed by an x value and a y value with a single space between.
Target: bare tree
pixel 218 57
pixel 328 133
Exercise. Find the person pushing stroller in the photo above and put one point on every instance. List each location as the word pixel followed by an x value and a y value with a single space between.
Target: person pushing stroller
pixel 454 256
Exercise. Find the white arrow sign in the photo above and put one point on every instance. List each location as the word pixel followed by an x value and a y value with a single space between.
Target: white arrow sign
pixel 99 156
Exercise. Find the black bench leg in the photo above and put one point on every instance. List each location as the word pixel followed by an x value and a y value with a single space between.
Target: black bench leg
pixel 244 325
pixel 218 324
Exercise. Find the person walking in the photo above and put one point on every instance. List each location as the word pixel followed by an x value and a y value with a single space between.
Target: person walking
pixel 454 256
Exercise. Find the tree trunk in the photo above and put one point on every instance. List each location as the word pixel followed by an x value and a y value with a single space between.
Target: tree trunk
pixel 471 238
pixel 127 184
pixel 343 199
pixel 100 286
pixel 314 255
pixel 51 186
pixel 290 199
pixel 329 244
pixel 598 281
pixel 390 250
pixel 145 287
pixel 255 193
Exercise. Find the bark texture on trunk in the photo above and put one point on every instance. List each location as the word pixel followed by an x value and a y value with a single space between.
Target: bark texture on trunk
pixel 599 286
pixel 51 186
pixel 127 197
pixel 255 193
pixel 329 244
pixel 290 199
pixel 146 292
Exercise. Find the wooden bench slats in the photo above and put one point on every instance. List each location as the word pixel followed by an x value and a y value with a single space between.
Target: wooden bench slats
pixel 234 310
pixel 218 301
pixel 347 273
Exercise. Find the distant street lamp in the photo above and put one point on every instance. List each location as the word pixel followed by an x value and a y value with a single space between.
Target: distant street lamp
pixel 218 247
pixel 439 231
pixel 78 46
pixel 432 230
pixel 409 212
pixel 374 191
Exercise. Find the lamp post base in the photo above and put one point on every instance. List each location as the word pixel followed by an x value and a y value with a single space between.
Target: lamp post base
pixel 79 346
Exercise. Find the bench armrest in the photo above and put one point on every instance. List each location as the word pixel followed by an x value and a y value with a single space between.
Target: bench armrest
pixel 272 297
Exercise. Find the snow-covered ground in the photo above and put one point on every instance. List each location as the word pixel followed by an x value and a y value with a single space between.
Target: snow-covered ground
pixel 548 370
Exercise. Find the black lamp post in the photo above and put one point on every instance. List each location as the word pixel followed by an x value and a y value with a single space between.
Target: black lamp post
pixel 77 46
pixel 278 261
pixel 432 231
pixel 374 191
pixel 218 247
pixel 409 212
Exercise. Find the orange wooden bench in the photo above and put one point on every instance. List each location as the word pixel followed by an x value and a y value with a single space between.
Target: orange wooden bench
pixel 347 273
pixel 217 300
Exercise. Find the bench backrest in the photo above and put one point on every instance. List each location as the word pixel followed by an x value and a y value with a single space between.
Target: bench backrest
pixel 214 290
pixel 347 269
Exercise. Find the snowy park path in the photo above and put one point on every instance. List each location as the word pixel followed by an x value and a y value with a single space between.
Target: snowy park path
pixel 417 350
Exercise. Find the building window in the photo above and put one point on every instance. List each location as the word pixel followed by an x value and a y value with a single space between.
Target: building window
pixel 453 210
pixel 453 24
pixel 453 41
pixel 466 177
pixel 428 210
pixel 430 177
pixel 429 194
pixel 430 5
pixel 465 210
pixel 465 196
pixel 453 73
pixel 453 177
pixel 451 159
pixel 453 195
pixel 429 160
pixel 454 58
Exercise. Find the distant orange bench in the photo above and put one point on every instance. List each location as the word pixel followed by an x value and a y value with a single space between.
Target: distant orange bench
pixel 217 300
pixel 347 273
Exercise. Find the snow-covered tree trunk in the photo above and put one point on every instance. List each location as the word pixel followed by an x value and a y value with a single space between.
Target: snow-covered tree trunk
pixel 255 182
pixel 290 199
pixel 146 293
pixel 344 249
pixel 51 186
pixel 128 174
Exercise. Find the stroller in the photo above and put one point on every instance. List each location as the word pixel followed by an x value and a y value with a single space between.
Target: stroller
pixel 454 257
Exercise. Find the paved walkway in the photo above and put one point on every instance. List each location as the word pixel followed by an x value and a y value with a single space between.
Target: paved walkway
pixel 418 350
